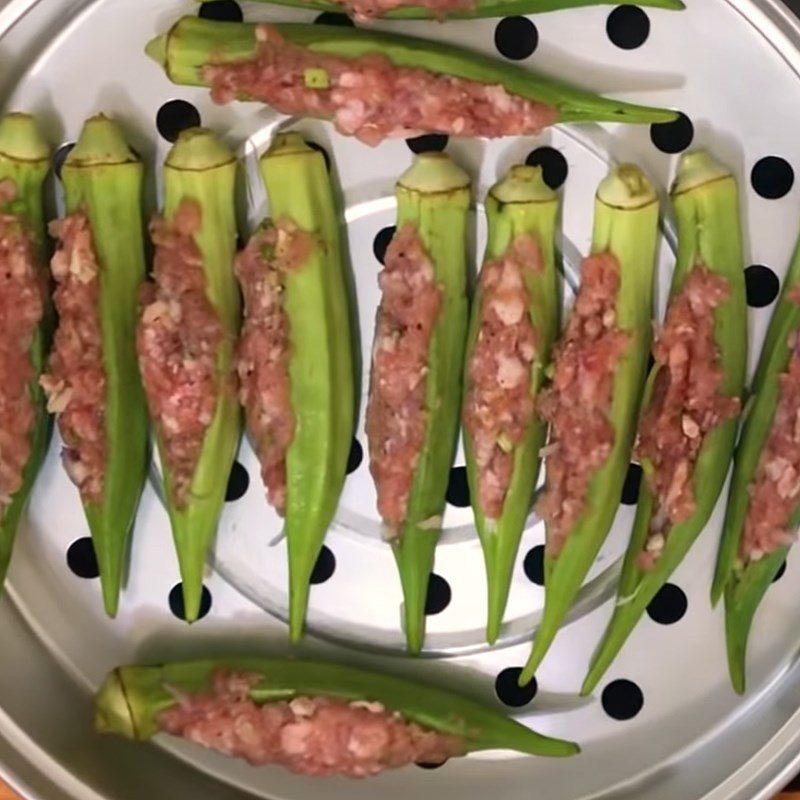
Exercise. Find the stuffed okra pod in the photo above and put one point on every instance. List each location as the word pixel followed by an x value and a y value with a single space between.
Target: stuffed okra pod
pixel 314 718
pixel 186 343
pixel 369 83
pixel 295 356
pixel 24 320
pixel 417 364
pixel 688 424
pixel 367 10
pixel 764 498
pixel 93 383
pixel 514 324
pixel 597 381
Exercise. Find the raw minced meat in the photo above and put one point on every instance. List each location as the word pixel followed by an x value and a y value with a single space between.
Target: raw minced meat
pixel 686 403
pixel 367 10
pixel 308 735
pixel 178 339
pixel 578 402
pixel 396 414
pixel 75 383
pixel 370 98
pixel 499 408
pixel 263 358
pixel 21 309
pixel 775 488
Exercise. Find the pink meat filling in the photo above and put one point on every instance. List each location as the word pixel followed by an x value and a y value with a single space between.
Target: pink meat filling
pixel 21 308
pixel 499 408
pixel 687 403
pixel 370 98
pixel 578 403
pixel 307 735
pixel 396 415
pixel 76 381
pixel 177 340
pixel 263 360
pixel 775 488
pixel 367 10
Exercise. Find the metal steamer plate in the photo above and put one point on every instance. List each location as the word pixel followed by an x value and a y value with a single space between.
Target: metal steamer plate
pixel 665 722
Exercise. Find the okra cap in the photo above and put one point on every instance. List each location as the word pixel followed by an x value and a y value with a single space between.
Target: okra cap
pixel 523 184
pixel 21 140
pixel 433 173
pixel 627 187
pixel 198 149
pixel 696 169
pixel 101 142
pixel 112 713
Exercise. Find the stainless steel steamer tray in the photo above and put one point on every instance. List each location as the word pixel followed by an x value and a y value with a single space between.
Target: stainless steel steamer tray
pixel 666 723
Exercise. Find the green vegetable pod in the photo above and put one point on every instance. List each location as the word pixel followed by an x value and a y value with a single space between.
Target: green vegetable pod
pixel 429 252
pixel 626 229
pixel 132 699
pixel 479 8
pixel 744 582
pixel 320 355
pixel 24 164
pixel 102 180
pixel 193 44
pixel 199 175
pixel 706 202
pixel 518 281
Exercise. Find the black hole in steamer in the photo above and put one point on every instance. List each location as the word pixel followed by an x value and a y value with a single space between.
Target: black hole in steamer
pixel 673 137
pixel 669 605
pixel 176 116
pixel 508 690
pixel 516 38
pixel 176 602
pixel 772 177
pixel 439 595
pixel 355 457
pixel 628 27
pixel 81 558
pixel 381 242
pixel 762 285
pixel 238 483
pixel 458 488
pixel 428 143
pixel 622 700
pixel 554 165
pixel 533 565
pixel 325 566
pixel 221 11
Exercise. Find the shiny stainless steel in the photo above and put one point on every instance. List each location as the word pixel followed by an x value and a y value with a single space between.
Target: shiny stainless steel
pixel 694 740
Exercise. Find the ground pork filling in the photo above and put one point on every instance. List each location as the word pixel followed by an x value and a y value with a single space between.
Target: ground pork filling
pixel 775 488
pixel 396 414
pixel 499 407
pixel 75 383
pixel 578 402
pixel 263 359
pixel 370 98
pixel 308 735
pixel 367 10
pixel 177 340
pixel 21 308
pixel 686 404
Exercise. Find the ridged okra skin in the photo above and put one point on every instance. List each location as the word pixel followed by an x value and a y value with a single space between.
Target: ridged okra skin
pixel 744 586
pixel 485 8
pixel 202 169
pixel 520 204
pixel 321 372
pixel 193 43
pixel 706 201
pixel 131 698
pixel 103 178
pixel 25 162
pixel 626 226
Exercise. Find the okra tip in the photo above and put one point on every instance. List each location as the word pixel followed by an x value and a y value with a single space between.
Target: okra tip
pixel 157 49
pixel 101 143
pixel 628 188
pixel 523 184
pixel 112 714
pixel 21 139
pixel 696 169
pixel 199 149
pixel 433 173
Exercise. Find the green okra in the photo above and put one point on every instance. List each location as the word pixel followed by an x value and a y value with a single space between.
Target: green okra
pixel 200 168
pixel 520 204
pixel 103 178
pixel 321 371
pixel 25 162
pixel 706 202
pixel 744 586
pixel 131 699
pixel 193 43
pixel 481 8
pixel 626 226
pixel 433 196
